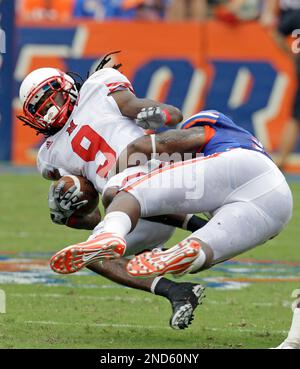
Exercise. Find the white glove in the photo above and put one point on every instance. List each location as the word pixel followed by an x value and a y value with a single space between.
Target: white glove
pixel 57 216
pixel 151 118
pixel 62 206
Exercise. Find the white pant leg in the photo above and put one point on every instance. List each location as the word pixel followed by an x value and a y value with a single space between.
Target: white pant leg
pixel 239 226
pixel 244 189
pixel 146 235
pixel 206 184
pixel 192 186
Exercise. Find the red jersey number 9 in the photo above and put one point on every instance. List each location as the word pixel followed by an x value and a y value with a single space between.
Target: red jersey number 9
pixel 88 144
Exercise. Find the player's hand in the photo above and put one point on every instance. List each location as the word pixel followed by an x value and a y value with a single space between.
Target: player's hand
pixel 63 204
pixel 68 201
pixel 152 118
pixel 57 216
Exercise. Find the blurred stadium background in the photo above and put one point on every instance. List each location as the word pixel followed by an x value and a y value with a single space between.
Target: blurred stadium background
pixel 194 54
pixel 206 59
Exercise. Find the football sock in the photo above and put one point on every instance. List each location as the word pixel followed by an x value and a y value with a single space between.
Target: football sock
pixel 161 286
pixel 117 222
pixel 294 333
pixel 193 223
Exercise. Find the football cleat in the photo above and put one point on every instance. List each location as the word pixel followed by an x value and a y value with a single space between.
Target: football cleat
pixel 176 260
pixel 185 297
pixel 73 258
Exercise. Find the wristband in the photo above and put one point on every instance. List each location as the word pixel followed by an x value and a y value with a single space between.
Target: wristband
pixel 168 116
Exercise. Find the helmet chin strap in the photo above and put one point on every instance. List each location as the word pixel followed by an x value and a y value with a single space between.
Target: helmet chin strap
pixel 51 114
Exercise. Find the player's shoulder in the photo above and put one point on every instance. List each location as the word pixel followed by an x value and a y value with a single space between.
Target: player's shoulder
pixel 105 74
pixel 211 116
pixel 106 80
pixel 201 118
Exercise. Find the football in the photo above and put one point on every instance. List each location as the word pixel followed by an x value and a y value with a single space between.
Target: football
pixel 88 192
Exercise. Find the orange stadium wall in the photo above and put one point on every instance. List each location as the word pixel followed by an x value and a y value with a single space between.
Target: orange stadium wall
pixel 237 70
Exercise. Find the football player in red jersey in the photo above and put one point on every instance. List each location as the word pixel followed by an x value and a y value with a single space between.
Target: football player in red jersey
pixel 86 128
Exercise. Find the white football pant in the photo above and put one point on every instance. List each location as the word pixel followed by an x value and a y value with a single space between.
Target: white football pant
pixel 244 190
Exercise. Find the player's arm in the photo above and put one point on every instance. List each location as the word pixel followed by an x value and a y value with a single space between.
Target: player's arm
pixel 169 142
pixel 148 113
pixel 88 221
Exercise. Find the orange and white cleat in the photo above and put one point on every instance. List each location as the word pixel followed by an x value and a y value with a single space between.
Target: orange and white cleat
pixel 176 260
pixel 73 258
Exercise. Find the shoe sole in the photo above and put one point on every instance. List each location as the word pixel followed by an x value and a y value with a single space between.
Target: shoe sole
pixel 74 258
pixel 175 261
pixel 184 315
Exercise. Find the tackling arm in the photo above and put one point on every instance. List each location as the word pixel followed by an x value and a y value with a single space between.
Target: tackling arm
pixel 169 142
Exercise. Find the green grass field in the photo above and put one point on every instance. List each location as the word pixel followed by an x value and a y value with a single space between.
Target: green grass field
pixel 247 302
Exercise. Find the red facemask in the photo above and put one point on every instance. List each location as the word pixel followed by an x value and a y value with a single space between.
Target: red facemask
pixel 53 118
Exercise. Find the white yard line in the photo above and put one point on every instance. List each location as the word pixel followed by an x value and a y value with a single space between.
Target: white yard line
pixel 80 297
pixel 133 299
pixel 158 327
pixel 96 325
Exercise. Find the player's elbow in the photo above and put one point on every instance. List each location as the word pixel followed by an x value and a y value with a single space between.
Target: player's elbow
pixel 139 151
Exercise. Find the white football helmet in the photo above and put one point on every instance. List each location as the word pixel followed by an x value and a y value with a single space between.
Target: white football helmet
pixel 38 94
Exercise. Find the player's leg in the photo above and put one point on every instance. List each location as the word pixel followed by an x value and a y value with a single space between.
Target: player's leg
pixel 198 185
pixel 230 232
pixel 293 339
pixel 186 187
pixel 178 188
pixel 191 186
pixel 235 228
pixel 184 297
pixel 142 237
pixel 100 246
